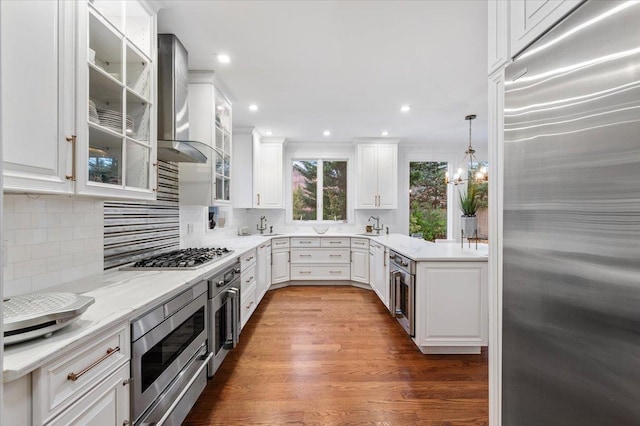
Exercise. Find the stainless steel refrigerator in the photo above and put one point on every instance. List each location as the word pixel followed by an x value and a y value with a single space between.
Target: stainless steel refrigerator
pixel 571 277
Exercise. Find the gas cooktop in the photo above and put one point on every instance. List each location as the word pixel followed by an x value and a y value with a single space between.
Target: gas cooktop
pixel 191 258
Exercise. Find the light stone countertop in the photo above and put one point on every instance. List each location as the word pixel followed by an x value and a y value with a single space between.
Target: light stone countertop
pixel 124 295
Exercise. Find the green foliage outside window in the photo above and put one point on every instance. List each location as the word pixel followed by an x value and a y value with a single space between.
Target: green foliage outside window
pixel 305 176
pixel 428 200
pixel 334 191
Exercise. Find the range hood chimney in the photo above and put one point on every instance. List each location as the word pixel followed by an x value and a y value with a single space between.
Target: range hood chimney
pixel 173 107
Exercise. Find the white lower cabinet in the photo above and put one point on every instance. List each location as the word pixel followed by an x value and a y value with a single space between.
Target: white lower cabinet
pixel 360 260
pixel 451 307
pixel 16 401
pixel 280 260
pixel 263 270
pixel 320 259
pixel 107 404
pixel 78 386
pixel 320 272
pixel 269 264
pixel 248 284
pixel 247 302
pixel 378 271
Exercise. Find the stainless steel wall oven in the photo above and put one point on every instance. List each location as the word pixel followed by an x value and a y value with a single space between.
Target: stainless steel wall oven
pixel 169 358
pixel 224 305
pixel 402 290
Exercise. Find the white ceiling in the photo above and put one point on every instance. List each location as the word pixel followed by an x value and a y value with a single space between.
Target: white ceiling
pixel 345 66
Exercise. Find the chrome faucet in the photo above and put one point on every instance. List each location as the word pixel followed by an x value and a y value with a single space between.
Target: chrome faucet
pixel 377 226
pixel 263 224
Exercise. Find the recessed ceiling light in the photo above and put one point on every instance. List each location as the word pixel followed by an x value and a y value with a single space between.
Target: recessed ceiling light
pixel 326 133
pixel 224 58
pixel 220 108
pixel 384 133
pixel 253 107
pixel 268 133
pixel 405 108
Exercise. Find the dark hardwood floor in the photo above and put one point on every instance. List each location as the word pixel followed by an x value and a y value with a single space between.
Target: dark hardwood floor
pixel 333 355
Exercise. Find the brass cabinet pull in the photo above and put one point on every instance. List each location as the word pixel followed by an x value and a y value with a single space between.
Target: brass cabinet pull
pixel 258 199
pixel 72 139
pixel 75 376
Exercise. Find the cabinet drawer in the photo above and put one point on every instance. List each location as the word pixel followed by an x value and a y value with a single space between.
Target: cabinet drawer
pixel 247 303
pixel 320 272
pixel 360 243
pixel 54 387
pixel 334 242
pixel 278 243
pixel 107 403
pixel 329 256
pixel 305 242
pixel 248 276
pixel 247 260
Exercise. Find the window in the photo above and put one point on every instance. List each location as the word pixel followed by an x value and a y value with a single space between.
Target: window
pixel 319 190
pixel 428 200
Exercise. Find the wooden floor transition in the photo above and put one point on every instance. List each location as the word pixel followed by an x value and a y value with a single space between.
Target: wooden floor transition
pixel 333 355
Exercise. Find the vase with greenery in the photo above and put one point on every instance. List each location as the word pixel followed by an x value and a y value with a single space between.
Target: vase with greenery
pixel 469 205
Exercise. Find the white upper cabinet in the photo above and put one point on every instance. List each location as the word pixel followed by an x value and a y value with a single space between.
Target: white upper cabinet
pixel 258 180
pixel 210 123
pixel 377 176
pixel 37 68
pixel 242 167
pixel 498 45
pixel 268 184
pixel 116 99
pixel 79 97
pixel 532 18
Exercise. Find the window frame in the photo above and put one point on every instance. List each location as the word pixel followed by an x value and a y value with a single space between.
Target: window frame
pixel 319 191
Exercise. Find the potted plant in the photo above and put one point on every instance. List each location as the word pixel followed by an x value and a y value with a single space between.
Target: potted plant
pixel 469 206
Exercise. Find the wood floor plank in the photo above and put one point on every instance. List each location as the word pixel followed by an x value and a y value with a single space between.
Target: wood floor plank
pixel 333 355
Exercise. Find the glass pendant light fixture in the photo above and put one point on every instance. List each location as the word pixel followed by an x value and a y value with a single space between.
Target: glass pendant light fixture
pixel 476 172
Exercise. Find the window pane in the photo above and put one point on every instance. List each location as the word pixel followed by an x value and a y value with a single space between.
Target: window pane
pixel 334 191
pixel 428 200
pixel 304 184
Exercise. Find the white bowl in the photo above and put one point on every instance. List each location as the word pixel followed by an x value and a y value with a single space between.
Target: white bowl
pixel 320 229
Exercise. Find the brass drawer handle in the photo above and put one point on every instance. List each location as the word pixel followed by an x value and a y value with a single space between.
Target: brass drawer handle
pixel 75 376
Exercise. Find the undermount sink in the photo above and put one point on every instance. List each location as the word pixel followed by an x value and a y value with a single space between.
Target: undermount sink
pixel 370 234
pixel 271 235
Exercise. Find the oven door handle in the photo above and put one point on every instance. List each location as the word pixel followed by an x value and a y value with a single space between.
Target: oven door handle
pixel 398 299
pixel 234 295
pixel 392 292
pixel 186 389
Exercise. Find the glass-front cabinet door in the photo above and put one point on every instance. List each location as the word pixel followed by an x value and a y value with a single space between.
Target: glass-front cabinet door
pixel 222 172
pixel 116 141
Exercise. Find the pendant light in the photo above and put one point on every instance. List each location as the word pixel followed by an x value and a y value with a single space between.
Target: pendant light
pixel 475 172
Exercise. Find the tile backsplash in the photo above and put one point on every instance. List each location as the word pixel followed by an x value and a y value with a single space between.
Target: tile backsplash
pixel 50 239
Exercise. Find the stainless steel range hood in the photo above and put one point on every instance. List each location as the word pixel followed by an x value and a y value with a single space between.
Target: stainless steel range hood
pixel 173 108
